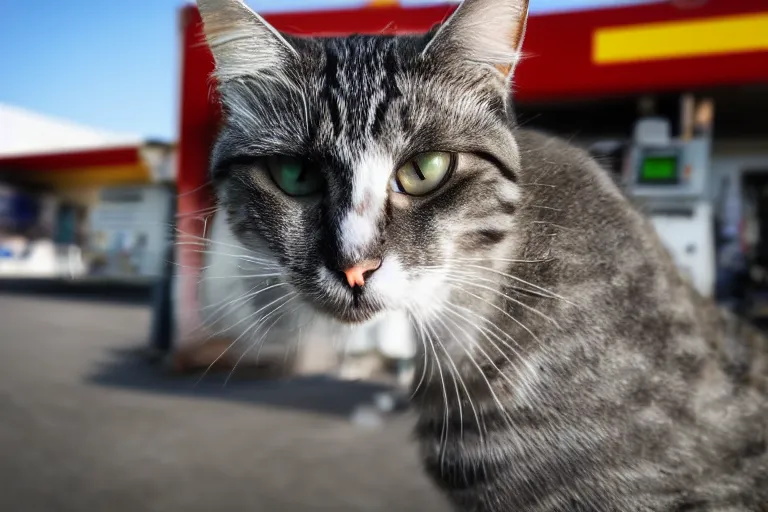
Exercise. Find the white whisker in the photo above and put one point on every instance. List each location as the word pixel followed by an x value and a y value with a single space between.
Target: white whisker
pixel 455 374
pixel 261 340
pixel 480 370
pixel 510 276
pixel 486 332
pixel 255 312
pixel 469 282
pixel 210 241
pixel 481 428
pixel 494 306
pixel 422 337
pixel 444 431
pixel 256 323
pixel 243 276
pixel 243 257
pixel 505 260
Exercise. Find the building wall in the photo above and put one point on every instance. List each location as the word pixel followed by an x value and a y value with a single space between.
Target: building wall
pixel 134 220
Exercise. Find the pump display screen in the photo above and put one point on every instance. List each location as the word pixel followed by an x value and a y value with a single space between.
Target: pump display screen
pixel 659 170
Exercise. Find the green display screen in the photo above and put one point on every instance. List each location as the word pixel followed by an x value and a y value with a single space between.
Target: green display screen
pixel 659 169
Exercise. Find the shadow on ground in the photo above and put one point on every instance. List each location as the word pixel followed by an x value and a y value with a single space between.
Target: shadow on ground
pixel 73 290
pixel 131 369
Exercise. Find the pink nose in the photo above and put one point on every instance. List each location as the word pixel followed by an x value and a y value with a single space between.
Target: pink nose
pixel 356 274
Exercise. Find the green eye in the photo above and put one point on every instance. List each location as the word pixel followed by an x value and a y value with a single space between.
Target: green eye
pixel 294 176
pixel 424 174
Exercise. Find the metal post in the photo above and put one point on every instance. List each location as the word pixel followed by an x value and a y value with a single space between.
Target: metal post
pixel 162 328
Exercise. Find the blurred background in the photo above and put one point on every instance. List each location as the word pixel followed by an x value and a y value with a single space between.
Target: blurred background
pixel 114 396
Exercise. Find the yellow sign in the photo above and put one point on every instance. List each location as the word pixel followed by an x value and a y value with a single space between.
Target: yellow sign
pixel 678 39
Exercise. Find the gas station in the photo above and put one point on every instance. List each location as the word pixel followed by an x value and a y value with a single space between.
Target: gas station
pixel 105 281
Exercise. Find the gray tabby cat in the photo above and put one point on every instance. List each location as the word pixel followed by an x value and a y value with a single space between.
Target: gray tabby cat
pixel 566 365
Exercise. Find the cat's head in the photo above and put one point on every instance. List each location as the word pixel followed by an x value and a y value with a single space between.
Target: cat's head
pixel 370 167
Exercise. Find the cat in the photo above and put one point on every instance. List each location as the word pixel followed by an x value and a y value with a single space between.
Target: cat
pixel 565 364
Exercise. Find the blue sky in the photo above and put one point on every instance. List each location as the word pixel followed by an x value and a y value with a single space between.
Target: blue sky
pixel 113 64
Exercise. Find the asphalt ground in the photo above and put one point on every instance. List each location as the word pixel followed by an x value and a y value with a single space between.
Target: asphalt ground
pixel 88 424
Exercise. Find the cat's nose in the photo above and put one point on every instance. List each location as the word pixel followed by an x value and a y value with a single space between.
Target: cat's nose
pixel 358 273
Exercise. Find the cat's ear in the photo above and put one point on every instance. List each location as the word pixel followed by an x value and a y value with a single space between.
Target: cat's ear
pixel 484 32
pixel 242 42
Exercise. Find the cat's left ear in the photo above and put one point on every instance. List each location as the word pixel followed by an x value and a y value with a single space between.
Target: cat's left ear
pixel 483 32
pixel 242 42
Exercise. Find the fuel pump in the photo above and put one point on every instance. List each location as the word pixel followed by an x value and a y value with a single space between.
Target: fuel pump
pixel 668 177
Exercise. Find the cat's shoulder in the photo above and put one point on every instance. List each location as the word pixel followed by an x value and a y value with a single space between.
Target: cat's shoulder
pixel 538 144
pixel 562 159
pixel 562 164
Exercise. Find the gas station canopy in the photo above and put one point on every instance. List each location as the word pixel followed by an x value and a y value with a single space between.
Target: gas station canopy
pixel 91 167
pixel 37 149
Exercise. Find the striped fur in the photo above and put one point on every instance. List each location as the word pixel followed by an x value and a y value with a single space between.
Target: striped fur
pixel 565 364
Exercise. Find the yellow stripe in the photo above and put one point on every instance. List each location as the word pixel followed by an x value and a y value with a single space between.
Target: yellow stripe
pixel 93 176
pixel 676 39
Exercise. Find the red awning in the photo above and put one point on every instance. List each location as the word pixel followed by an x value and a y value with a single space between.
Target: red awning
pixel 45 162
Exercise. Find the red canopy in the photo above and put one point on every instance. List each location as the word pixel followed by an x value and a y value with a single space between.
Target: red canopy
pixel 644 48
pixel 44 162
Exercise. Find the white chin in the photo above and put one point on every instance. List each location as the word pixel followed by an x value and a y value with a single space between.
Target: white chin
pixel 389 332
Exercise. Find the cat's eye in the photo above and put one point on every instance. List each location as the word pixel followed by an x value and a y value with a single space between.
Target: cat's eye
pixel 424 174
pixel 294 177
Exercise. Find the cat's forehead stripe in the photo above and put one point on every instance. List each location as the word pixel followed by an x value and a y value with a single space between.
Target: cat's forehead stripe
pixel 358 89
pixel 370 181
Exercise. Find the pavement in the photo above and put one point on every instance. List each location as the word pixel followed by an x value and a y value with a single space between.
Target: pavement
pixel 88 424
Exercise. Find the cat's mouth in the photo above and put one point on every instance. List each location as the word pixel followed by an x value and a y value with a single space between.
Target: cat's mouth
pixel 356 317
pixel 359 309
pixel 347 302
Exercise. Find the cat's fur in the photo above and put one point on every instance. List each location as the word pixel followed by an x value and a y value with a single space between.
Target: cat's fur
pixel 566 364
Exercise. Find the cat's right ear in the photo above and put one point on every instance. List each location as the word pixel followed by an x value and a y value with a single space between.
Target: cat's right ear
pixel 482 32
pixel 242 42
